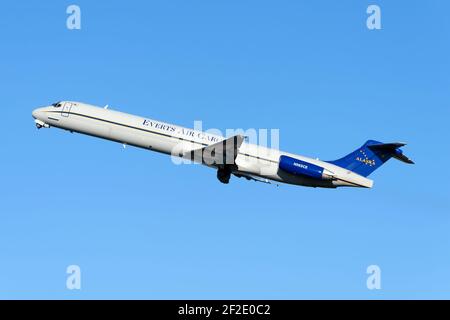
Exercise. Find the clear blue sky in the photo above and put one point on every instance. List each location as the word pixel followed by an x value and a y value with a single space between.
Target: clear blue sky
pixel 141 227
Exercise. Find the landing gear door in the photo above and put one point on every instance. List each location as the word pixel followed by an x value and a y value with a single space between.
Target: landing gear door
pixel 66 109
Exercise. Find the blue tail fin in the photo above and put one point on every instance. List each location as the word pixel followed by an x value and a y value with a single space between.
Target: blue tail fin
pixel 371 156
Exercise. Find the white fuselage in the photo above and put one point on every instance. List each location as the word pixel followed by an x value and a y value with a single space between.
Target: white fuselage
pixel 252 159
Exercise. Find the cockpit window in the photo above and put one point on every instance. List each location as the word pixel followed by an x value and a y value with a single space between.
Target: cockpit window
pixel 56 104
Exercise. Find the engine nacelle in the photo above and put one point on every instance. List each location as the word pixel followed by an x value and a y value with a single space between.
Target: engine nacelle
pixel 303 168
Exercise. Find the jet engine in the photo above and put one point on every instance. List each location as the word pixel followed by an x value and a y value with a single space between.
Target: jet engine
pixel 303 168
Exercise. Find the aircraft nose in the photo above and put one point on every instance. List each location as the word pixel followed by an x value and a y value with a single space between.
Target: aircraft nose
pixel 37 113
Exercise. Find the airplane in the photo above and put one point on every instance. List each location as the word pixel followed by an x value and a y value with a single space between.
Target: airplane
pixel 229 156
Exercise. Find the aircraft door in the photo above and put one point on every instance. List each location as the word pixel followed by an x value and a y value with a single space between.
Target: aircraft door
pixel 66 109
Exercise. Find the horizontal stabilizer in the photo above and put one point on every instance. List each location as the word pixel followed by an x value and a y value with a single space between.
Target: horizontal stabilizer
pixel 393 150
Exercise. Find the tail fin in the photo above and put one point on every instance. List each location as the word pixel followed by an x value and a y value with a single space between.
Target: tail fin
pixel 371 156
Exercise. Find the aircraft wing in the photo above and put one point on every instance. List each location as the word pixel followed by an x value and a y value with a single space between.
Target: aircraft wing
pixel 218 154
pixel 252 177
